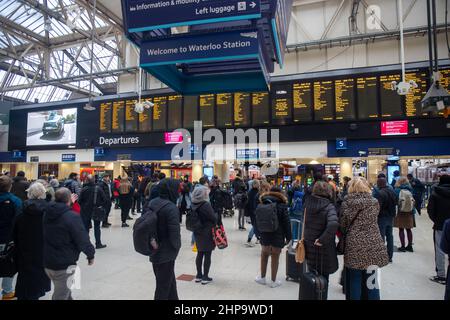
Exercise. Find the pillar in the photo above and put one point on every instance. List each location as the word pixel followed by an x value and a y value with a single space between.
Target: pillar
pixel 197 170
pixel 346 168
pixel 117 169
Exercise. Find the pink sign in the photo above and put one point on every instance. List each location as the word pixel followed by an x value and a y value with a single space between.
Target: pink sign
pixel 173 137
pixel 394 128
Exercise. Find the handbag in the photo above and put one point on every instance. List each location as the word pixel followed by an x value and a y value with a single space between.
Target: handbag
pixel 300 251
pixel 8 266
pixel 220 237
pixel 340 248
pixel 99 213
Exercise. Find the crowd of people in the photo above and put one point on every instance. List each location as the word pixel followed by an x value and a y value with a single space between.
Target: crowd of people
pixel 49 224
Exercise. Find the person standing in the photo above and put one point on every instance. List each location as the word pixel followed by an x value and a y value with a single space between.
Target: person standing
pixel 387 200
pixel 445 247
pixel 250 209
pixel 321 225
pixel 20 186
pixel 64 238
pixel 203 236
pixel 439 211
pixel 404 220
pixel 126 192
pixel 115 189
pixel 105 185
pixel 273 242
pixel 217 200
pixel 418 192
pixel 73 183
pixel 91 198
pixel 240 202
pixel 169 239
pixel 10 209
pixel 32 282
pixel 365 251
pixel 136 207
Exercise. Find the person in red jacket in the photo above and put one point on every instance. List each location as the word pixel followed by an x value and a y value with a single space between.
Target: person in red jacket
pixel 116 186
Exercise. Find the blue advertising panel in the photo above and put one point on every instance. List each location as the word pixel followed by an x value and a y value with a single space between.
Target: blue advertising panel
pixel 201 48
pixel 71 157
pixel 146 15
pixel 247 154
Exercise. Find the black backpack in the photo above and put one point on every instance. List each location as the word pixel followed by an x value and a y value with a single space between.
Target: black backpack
pixel 241 200
pixel 145 231
pixel 7 217
pixel 193 221
pixel 267 217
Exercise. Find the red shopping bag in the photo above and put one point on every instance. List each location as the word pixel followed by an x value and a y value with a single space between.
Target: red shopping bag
pixel 220 237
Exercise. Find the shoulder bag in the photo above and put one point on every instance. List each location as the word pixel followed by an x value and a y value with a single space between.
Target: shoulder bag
pixel 300 252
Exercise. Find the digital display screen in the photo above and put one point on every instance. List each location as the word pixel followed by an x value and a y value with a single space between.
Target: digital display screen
pixel 131 117
pixel 118 117
pixel 391 101
pixel 345 99
pixel 260 108
pixel 224 103
pixel 394 128
pixel 159 113
pixel 323 100
pixel 190 111
pixel 445 79
pixel 390 172
pixel 175 112
pixel 414 98
pixel 242 109
pixel 281 104
pixel 207 110
pixel 145 118
pixel 303 101
pixel 54 127
pixel 366 88
pixel 105 117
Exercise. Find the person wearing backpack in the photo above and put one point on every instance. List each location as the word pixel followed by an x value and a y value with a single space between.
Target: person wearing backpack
pixel 250 209
pixel 169 239
pixel 10 208
pixel 73 183
pixel 439 211
pixel 207 220
pixel 404 220
pixel 240 201
pixel 388 205
pixel 272 221
pixel 418 191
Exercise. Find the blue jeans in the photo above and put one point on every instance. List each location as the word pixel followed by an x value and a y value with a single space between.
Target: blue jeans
pixel 386 224
pixel 360 285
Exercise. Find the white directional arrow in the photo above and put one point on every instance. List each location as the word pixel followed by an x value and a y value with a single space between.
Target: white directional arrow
pixel 253 5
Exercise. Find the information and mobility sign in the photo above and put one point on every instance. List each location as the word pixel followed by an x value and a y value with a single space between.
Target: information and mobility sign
pixel 394 128
pixel 247 154
pixel 145 15
pixel 201 48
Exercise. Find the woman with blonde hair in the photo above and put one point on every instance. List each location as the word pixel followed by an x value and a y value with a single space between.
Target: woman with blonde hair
pixel 126 192
pixel 364 249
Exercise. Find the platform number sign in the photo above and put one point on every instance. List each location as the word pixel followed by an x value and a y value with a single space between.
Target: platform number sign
pixel 341 144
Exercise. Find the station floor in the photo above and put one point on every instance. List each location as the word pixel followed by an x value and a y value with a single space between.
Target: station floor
pixel 119 273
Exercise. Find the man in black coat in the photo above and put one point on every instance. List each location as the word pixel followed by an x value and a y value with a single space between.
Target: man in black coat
pixel 88 201
pixel 64 238
pixel 445 247
pixel 439 211
pixel 105 185
pixel 169 239
pixel 418 191
pixel 20 186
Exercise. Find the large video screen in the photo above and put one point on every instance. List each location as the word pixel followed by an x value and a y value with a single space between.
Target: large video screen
pixel 54 127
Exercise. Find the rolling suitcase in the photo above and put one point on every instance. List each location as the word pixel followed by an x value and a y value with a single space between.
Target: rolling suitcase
pixel 294 270
pixel 313 286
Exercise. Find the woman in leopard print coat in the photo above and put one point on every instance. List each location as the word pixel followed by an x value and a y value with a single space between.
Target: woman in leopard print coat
pixel 364 248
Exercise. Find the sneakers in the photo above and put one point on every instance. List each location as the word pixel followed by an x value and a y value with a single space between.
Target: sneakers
pixel 106 225
pixel 124 225
pixel 409 248
pixel 249 244
pixel 274 284
pixel 260 280
pixel 129 218
pixel 9 296
pixel 206 280
pixel 402 249
pixel 198 278
pixel 439 280
pixel 257 241
pixel 100 246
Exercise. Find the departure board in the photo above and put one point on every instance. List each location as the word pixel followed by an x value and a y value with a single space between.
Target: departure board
pixel 260 108
pixel 145 118
pixel 224 102
pixel 345 99
pixel 242 109
pixel 207 110
pixel 105 117
pixel 366 89
pixel 175 112
pixel 190 111
pixel 159 113
pixel 390 100
pixel 118 116
pixel 323 100
pixel 131 117
pixel 414 98
pixel 445 79
pixel 302 101
pixel 281 103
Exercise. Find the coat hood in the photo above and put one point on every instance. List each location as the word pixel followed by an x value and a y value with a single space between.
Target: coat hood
pixel 443 190
pixel 18 179
pixel 316 204
pixel 168 189
pixel 55 210
pixel 274 196
pixel 35 207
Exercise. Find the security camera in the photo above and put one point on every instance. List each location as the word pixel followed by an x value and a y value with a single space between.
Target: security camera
pixel 141 106
pixel 403 88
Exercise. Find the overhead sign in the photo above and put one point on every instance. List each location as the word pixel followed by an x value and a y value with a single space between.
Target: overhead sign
pixel 173 137
pixel 99 152
pixel 18 154
pixel 394 128
pixel 145 15
pixel 201 48
pixel 247 154
pixel 123 157
pixel 71 157
pixel 341 143
pixel 34 159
